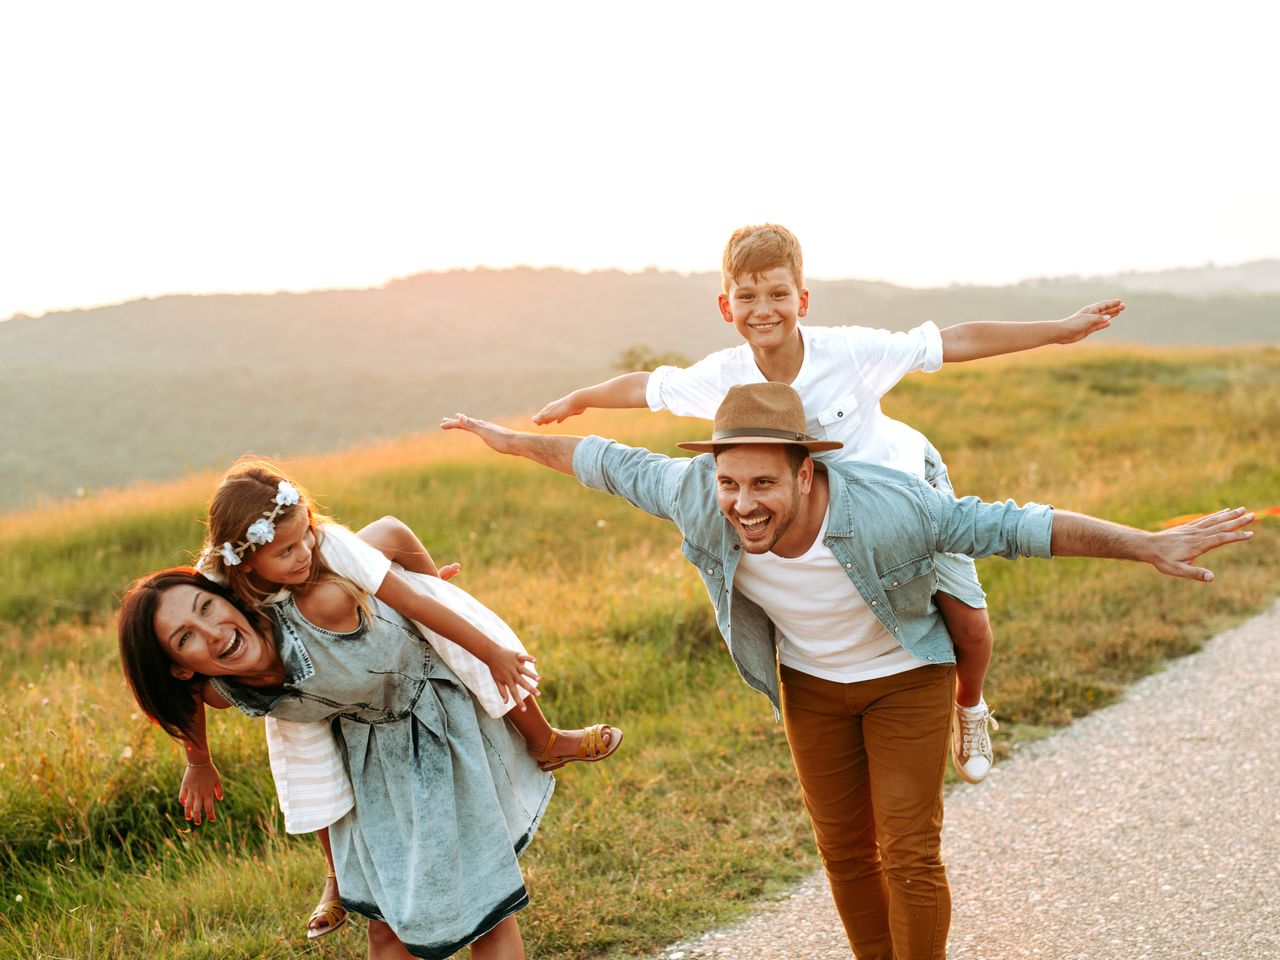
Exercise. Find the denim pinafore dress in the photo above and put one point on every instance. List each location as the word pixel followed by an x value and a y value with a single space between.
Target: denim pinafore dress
pixel 446 797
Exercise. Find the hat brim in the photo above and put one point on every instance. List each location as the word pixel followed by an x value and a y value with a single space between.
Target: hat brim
pixel 709 446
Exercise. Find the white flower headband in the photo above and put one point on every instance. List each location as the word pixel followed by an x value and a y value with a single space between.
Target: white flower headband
pixel 261 531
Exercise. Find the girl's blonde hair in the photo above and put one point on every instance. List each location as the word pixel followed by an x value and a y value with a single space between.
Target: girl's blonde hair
pixel 246 492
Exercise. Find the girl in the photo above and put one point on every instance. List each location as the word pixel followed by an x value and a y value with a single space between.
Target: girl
pixel 446 797
pixel 265 535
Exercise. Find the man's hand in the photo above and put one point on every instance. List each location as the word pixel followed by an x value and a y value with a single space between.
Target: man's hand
pixel 549 450
pixel 1088 320
pixel 558 411
pixel 201 785
pixel 1174 549
pixel 511 670
pixel 498 438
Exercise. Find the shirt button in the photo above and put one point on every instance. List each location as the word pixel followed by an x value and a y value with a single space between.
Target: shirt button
pixel 848 566
pixel 839 413
pixel 874 602
pixel 709 570
pixel 895 583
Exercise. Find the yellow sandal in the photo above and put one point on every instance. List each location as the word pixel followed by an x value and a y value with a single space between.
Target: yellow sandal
pixel 591 749
pixel 332 912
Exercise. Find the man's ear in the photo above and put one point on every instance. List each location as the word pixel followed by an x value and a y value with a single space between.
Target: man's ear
pixel 804 476
pixel 181 673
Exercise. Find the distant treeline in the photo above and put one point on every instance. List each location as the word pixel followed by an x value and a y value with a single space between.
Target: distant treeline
pixel 153 388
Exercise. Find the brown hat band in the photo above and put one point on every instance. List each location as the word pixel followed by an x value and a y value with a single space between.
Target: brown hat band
pixel 759 432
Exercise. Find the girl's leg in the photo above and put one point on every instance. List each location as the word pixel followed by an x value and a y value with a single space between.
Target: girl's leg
pixel 545 740
pixel 328 912
pixel 503 942
pixel 384 944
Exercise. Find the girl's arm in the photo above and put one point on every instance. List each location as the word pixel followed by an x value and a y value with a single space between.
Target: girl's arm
pixel 509 668
pixel 627 390
pixel 394 538
pixel 989 338
pixel 201 784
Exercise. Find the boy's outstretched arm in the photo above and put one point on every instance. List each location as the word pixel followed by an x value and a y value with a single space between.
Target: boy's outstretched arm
pixel 990 338
pixel 627 390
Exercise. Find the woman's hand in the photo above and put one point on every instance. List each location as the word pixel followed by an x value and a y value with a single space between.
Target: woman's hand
pixel 201 785
pixel 511 671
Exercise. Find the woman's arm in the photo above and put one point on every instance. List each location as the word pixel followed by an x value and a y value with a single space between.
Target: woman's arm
pixel 990 338
pixel 510 669
pixel 201 783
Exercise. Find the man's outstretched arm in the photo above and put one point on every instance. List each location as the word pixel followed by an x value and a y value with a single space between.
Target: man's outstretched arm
pixel 550 451
pixel 1169 551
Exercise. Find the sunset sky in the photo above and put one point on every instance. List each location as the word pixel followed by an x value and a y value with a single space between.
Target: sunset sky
pixel 152 148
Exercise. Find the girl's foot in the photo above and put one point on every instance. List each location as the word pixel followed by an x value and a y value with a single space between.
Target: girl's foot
pixel 566 746
pixel 329 913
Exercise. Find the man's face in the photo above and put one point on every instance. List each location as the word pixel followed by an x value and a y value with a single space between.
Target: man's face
pixel 758 493
pixel 765 308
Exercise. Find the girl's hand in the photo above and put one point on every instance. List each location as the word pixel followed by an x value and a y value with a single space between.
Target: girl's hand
pixel 512 670
pixel 201 785
pixel 1090 319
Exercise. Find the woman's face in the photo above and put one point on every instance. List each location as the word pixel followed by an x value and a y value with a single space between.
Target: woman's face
pixel 203 633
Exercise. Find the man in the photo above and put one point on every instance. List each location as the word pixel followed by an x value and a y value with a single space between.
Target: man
pixel 821 577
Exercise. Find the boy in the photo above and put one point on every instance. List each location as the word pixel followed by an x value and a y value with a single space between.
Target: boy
pixel 841 373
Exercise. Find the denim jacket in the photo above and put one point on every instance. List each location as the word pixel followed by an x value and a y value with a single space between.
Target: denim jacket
pixel 883 526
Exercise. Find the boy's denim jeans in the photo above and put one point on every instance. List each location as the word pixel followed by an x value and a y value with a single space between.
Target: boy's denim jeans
pixel 870 757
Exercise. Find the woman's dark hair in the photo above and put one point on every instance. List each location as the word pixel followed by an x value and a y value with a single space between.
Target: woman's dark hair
pixel 162 696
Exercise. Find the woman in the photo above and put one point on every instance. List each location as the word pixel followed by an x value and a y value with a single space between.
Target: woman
pixel 446 797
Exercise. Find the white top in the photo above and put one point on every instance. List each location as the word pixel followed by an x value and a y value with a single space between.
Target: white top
pixel 349 556
pixel 837 638
pixel 846 370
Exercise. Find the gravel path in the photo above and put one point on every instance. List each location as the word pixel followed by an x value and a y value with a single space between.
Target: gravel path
pixel 1147 830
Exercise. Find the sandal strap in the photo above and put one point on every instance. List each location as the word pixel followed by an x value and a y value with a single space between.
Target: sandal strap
pixel 592 744
pixel 330 911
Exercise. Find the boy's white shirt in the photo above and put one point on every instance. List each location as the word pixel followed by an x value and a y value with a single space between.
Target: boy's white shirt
pixel 845 372
pixel 311 783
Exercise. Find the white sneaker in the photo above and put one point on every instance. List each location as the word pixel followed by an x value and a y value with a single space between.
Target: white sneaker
pixel 970 742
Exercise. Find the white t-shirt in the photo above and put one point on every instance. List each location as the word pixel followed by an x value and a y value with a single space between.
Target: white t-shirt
pixel 846 370
pixel 825 627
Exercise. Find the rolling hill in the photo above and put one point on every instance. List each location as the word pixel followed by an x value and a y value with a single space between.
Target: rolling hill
pixel 156 387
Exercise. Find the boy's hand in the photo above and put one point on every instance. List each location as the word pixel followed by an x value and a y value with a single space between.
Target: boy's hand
pixel 557 411
pixel 511 670
pixel 1174 549
pixel 449 571
pixel 1090 319
pixel 201 785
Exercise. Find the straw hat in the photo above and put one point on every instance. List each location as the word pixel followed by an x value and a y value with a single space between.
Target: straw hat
pixel 760 413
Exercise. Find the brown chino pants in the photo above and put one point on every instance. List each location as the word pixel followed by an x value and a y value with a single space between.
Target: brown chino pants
pixel 870 757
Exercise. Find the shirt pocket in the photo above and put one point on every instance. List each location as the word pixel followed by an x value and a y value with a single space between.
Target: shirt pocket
pixel 909 587
pixel 841 413
pixel 710 568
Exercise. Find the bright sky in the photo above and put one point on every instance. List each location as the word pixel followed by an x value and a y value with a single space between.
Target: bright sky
pixel 151 148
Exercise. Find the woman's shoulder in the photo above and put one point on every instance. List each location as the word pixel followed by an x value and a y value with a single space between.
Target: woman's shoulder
pixel 329 606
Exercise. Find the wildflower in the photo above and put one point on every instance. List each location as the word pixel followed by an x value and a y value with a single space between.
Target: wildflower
pixel 261 531
pixel 601 523
pixel 126 753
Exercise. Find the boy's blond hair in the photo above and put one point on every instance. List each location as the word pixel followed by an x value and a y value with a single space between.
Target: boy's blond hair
pixel 754 250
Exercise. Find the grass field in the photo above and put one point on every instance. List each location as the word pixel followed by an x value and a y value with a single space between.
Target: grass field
pixel 698 816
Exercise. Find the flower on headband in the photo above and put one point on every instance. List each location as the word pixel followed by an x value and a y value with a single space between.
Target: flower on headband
pixel 287 494
pixel 260 531
pixel 229 555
